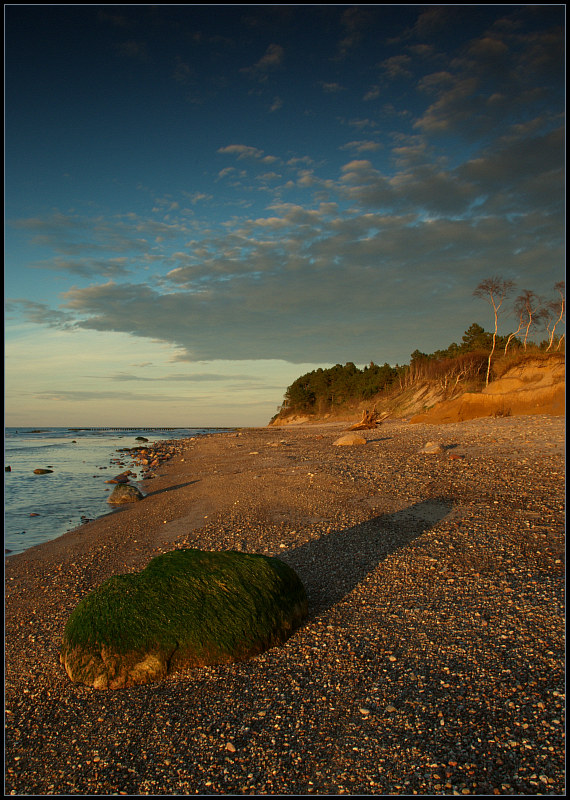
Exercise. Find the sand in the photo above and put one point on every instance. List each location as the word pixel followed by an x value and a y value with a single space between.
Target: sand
pixel 432 660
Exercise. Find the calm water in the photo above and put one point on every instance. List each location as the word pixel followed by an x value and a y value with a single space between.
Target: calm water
pixel 81 460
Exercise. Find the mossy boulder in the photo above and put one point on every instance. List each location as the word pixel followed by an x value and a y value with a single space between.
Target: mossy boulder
pixel 187 608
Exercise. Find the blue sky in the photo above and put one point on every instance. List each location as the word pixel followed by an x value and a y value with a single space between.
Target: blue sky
pixel 204 202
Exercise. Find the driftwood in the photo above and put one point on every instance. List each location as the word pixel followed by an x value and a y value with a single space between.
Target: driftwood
pixel 370 419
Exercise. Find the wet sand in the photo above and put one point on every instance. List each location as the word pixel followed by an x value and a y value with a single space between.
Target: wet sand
pixel 432 660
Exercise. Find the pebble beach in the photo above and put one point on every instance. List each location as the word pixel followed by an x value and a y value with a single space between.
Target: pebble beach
pixel 432 661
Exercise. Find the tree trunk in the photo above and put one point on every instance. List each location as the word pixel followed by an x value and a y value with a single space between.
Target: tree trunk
pixel 370 419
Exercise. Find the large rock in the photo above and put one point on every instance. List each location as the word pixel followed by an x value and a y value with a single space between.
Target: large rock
pixel 350 439
pixel 186 608
pixel 124 493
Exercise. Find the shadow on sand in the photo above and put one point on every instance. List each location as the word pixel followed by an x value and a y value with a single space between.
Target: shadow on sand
pixel 169 489
pixel 332 566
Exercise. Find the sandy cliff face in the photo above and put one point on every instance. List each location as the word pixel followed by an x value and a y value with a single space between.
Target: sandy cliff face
pixel 293 419
pixel 535 387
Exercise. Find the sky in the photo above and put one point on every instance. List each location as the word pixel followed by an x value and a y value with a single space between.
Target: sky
pixel 203 203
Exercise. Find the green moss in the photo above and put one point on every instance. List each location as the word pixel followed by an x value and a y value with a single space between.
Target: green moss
pixel 210 604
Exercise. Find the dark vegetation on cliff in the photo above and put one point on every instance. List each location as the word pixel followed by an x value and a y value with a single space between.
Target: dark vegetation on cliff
pixel 468 366
pixel 460 366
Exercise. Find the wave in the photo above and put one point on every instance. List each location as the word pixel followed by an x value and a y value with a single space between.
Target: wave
pixel 30 447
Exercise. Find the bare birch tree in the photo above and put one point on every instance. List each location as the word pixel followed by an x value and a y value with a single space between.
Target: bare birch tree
pixel 514 333
pixel 527 305
pixel 494 290
pixel 556 310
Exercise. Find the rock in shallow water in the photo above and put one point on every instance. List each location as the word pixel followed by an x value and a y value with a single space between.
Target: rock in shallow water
pixel 125 493
pixel 186 608
pixel 122 478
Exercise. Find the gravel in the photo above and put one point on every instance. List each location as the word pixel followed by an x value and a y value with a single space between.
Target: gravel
pixel 432 660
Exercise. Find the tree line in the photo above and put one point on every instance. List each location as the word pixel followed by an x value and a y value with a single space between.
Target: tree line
pixel 321 390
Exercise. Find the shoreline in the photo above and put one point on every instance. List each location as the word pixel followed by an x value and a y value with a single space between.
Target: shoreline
pixel 88 463
pixel 435 587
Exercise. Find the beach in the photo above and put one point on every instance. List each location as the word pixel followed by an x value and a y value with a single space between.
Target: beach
pixel 432 658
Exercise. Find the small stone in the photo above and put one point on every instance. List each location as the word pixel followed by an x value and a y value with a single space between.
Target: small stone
pixel 432 447
pixel 122 478
pixel 391 709
pixel 230 747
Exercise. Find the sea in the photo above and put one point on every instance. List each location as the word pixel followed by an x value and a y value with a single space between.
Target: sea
pixel 39 508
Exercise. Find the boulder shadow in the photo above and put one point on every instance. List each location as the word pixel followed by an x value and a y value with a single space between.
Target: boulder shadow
pixel 333 565
pixel 170 488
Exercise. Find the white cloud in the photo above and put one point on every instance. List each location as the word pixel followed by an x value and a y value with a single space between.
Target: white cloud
pixel 245 151
pixel 271 59
pixel 331 88
pixel 241 151
pixel 363 146
pixel 397 66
